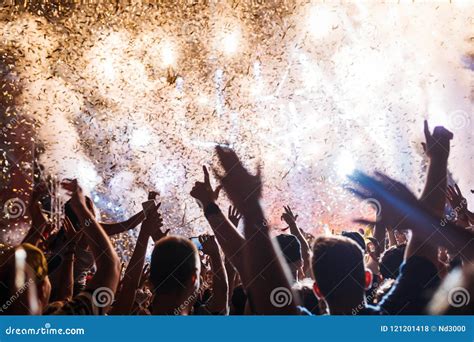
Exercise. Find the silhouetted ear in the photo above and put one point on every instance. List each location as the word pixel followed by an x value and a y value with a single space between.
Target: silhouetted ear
pixel 317 291
pixel 368 279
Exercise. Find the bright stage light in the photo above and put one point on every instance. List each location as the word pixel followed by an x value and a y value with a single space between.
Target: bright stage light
pixel 294 91
pixel 203 100
pixel 106 65
pixel 438 118
pixel 86 175
pixel 321 21
pixel 230 42
pixel 345 164
pixel 167 54
pixel 140 137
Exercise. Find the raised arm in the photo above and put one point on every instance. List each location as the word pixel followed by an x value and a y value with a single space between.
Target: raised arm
pixel 65 279
pixel 105 257
pixel 263 261
pixel 381 233
pixel 131 279
pixel 219 303
pixel 226 233
pixel 290 220
pixel 437 147
pixel 400 205
pixel 121 227
pixel 418 274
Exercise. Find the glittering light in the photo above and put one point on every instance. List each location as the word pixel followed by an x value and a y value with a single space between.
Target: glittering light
pixel 438 117
pixel 321 21
pixel 107 67
pixel 345 164
pixel 168 55
pixel 140 137
pixel 230 42
pixel 141 96
pixel 86 175
pixel 203 100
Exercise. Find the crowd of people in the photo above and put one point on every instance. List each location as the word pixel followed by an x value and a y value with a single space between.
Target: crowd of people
pixel 417 257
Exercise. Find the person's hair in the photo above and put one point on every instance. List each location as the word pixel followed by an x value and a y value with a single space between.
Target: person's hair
pixel 391 260
pixel 290 247
pixel 173 262
pixel 357 237
pixel 338 269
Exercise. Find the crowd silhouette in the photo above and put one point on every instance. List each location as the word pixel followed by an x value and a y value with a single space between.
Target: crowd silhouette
pixel 415 258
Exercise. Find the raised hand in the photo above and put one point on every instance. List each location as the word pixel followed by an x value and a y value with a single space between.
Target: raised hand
pixel 396 199
pixel 234 216
pixel 288 216
pixel 152 225
pixel 73 189
pixel 203 192
pixel 209 244
pixel 133 277
pixel 455 198
pixel 459 204
pixel 243 188
pixel 436 144
pixel 152 195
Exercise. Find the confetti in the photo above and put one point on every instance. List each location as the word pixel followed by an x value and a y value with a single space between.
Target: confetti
pixel 131 98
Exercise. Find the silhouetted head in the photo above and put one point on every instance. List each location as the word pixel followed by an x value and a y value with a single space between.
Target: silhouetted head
pixel 357 237
pixel 175 266
pixel 339 272
pixel 391 260
pixel 291 250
